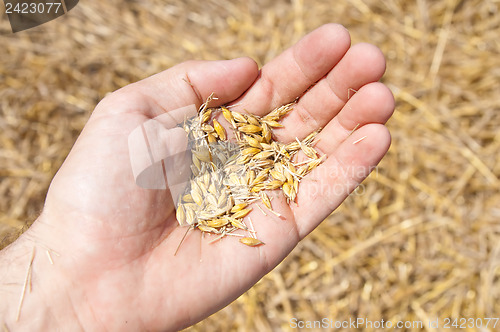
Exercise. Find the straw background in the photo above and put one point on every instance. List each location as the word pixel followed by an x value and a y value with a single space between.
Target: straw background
pixel 418 241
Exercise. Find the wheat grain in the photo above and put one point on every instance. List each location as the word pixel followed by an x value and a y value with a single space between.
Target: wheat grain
pixel 250 241
pixel 221 132
pixel 250 129
pixel 265 199
pixel 239 117
pixel 241 213
pixel 238 224
pixel 253 142
pixel 229 176
pixel 238 207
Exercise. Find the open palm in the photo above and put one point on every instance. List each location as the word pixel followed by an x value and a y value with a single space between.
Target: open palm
pixel 117 240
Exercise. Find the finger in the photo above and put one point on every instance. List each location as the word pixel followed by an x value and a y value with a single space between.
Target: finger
pixel 188 83
pixel 290 74
pixel 362 64
pixel 373 103
pixel 326 187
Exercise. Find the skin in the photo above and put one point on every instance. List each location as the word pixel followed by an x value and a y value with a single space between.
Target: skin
pixel 113 242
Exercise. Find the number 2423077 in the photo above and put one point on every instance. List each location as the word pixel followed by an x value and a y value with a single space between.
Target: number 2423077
pixel 470 322
pixel 32 8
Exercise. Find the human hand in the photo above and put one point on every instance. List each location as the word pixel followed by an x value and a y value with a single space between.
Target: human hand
pixel 116 267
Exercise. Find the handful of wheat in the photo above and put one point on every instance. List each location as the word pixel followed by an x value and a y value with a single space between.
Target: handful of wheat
pixel 228 176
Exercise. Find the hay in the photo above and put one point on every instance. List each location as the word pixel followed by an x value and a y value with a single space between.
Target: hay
pixel 419 240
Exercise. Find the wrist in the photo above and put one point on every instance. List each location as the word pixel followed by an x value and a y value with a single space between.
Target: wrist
pixel 36 291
